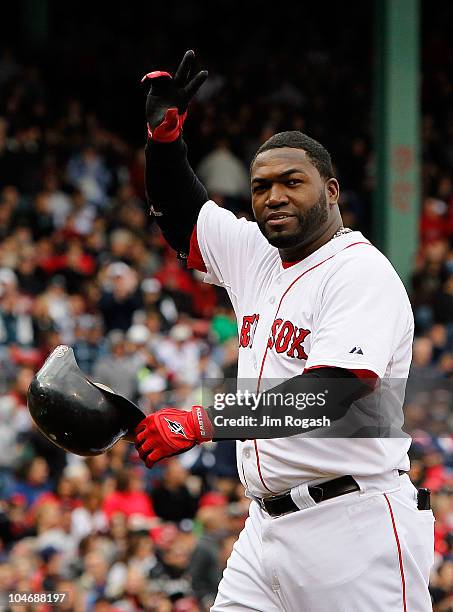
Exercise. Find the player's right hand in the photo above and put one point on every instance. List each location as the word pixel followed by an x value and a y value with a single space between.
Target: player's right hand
pixel 169 97
pixel 171 431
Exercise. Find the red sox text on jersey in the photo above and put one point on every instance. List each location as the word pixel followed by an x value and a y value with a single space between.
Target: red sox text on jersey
pixel 285 337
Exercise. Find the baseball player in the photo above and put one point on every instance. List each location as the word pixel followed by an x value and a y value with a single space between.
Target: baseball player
pixel 335 522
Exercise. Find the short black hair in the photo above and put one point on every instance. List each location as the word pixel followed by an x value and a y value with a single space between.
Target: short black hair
pixel 319 156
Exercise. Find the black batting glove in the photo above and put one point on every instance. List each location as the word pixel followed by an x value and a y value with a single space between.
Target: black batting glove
pixel 169 97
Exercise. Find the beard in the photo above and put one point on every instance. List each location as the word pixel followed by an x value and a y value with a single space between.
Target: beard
pixel 308 224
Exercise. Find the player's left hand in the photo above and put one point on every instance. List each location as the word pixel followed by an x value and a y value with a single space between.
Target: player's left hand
pixel 169 97
pixel 170 431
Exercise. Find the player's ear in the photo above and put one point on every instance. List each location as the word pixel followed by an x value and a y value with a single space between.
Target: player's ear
pixel 333 191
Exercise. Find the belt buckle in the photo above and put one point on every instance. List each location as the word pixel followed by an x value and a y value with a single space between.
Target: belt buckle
pixel 263 500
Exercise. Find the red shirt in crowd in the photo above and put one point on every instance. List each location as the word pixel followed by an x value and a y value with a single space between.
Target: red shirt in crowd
pixel 128 503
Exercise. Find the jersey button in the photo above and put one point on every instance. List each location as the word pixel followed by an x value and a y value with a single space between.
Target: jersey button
pixel 247 454
pixel 272 300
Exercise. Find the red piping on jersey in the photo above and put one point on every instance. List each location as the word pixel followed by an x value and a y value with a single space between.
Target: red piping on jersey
pixel 195 258
pixel 400 555
pixel 267 345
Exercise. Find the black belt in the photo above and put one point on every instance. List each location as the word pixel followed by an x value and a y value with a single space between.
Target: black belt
pixel 283 504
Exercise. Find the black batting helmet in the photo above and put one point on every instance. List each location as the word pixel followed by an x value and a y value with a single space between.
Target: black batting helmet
pixel 81 416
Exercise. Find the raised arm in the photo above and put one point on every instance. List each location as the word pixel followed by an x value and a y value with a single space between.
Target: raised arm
pixel 174 192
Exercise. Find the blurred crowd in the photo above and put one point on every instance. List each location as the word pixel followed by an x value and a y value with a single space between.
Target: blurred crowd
pixel 82 264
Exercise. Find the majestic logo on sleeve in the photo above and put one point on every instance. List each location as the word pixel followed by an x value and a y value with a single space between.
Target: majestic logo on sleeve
pixel 249 323
pixel 357 350
pixel 176 427
pixel 288 338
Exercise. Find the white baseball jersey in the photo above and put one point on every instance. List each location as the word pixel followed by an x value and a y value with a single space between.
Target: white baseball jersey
pixel 342 306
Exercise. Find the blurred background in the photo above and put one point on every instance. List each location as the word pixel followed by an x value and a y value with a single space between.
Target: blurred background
pixel 81 263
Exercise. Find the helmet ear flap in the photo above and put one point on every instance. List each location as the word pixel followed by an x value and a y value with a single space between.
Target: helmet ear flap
pixel 80 416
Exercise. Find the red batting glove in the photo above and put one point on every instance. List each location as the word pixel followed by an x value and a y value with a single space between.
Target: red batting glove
pixel 170 431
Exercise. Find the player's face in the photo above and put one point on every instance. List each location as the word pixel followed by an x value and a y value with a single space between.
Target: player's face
pixel 291 201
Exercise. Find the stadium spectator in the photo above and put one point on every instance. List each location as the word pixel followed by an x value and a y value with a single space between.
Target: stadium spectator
pixel 128 498
pixel 225 177
pixel 88 172
pixel 89 518
pixel 205 561
pixel 117 370
pixel 120 297
pixel 172 499
pixel 33 480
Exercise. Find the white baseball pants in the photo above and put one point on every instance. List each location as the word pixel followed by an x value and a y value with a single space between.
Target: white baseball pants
pixel 366 551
